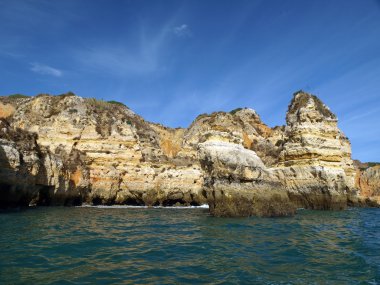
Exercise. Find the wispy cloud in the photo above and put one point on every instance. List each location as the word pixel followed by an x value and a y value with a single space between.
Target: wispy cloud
pixel 143 51
pixel 182 31
pixel 45 69
pixel 361 115
pixel 119 60
pixel 127 57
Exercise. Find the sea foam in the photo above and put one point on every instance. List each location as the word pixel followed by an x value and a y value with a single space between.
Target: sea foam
pixel 204 206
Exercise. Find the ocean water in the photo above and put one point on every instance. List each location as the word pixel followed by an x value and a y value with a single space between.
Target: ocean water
pixel 187 246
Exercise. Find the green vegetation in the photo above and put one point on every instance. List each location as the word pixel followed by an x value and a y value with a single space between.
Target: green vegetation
pixel 18 96
pixel 103 105
pixel 365 165
pixel 298 91
pixel 371 164
pixel 235 111
pixel 42 95
pixel 67 94
pixel 201 116
pixel 116 103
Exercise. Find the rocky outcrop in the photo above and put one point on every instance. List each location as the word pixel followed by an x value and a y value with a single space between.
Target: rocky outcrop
pixel 315 162
pixel 306 164
pixel 31 175
pixel 367 180
pixel 68 150
pixel 19 162
pixel 239 184
pixel 242 127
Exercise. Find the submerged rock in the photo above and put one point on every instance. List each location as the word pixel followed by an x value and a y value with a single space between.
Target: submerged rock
pixel 68 150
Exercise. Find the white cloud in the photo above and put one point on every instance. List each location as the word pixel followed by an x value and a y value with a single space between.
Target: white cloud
pixel 45 69
pixel 182 31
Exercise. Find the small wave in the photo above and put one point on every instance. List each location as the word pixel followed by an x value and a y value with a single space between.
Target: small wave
pixel 204 206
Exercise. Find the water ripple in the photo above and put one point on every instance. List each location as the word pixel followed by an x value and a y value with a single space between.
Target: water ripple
pixel 166 246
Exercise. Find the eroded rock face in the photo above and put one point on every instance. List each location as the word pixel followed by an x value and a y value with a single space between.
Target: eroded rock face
pixel 74 150
pixel 241 127
pixel 315 162
pixel 31 175
pixel 368 183
pixel 103 153
pixel 239 184
pixel 308 161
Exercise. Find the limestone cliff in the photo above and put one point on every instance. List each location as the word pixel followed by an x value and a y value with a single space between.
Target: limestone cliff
pixel 306 164
pixel 69 150
pixel 105 154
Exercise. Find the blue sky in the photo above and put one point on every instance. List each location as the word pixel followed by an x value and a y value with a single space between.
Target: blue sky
pixel 172 60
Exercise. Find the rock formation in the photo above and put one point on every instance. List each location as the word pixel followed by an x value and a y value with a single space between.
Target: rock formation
pixel 306 164
pixel 103 153
pixel 68 150
pixel 367 180
pixel 238 183
pixel 315 162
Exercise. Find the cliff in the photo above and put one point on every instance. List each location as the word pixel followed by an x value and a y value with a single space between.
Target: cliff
pixel 97 152
pixel 68 150
pixel 305 164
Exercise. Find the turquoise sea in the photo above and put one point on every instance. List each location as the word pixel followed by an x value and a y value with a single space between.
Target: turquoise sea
pixel 187 246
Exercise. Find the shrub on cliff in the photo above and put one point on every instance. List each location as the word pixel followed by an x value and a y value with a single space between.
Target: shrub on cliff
pixel 235 111
pixel 67 94
pixel 116 103
pixel 103 105
pixel 301 101
pixel 18 96
pixel 369 165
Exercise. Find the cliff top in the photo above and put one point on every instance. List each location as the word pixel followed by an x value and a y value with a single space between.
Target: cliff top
pixel 301 99
pixel 365 165
pixel 15 99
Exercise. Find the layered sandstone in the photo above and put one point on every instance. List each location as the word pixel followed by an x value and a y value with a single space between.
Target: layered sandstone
pixel 71 150
pixel 315 162
pixel 106 154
